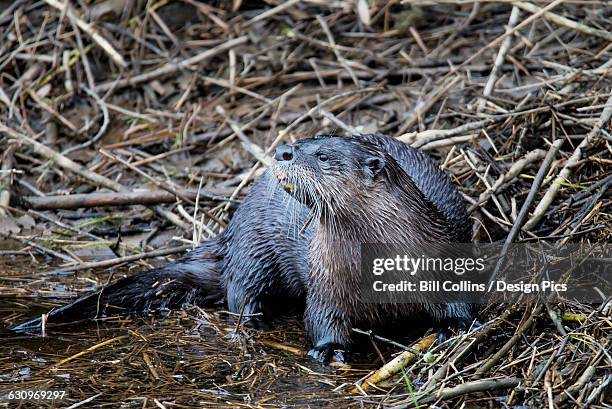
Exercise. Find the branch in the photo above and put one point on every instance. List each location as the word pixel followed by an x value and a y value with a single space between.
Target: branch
pixel 563 176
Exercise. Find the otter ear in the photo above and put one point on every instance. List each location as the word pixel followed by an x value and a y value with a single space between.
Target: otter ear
pixel 373 165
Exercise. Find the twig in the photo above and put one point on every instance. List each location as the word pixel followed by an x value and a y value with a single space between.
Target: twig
pixel 533 191
pixel 463 347
pixel 563 21
pixel 167 187
pixel 253 149
pixel 83 402
pixel 88 350
pixel 463 389
pixel 388 341
pixel 397 363
pixel 86 27
pixel 232 87
pixel 103 128
pixel 572 162
pixel 604 384
pixel 453 140
pixel 68 124
pixel 586 376
pixel 51 252
pixel 334 119
pixel 501 55
pixel 61 160
pixel 173 66
pixel 54 221
pixel 119 260
pixel 516 168
pixel 275 10
pixel 283 347
pixel 332 42
pixel 501 38
pixel 89 200
pixel 418 139
pixel 156 182
pixel 97 179
pixel 489 363
pixel 422 108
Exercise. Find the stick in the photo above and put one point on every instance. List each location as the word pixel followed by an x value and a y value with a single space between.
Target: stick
pixel 513 172
pixel 103 127
pixel 605 382
pixel 56 222
pixel 119 260
pixel 464 389
pixel 337 121
pixel 396 364
pixel 501 55
pixel 563 176
pixel 234 88
pixel 156 182
pixel 563 21
pixel 339 57
pixel 53 253
pixel 61 160
pixel 166 186
pixel 271 12
pixel 535 187
pixel 465 345
pixel 88 350
pixel 83 402
pixel 83 171
pixel 433 97
pixel 489 363
pixel 110 199
pixel 578 385
pixel 86 27
pixel 249 146
pixel 453 140
pixel 283 347
pixel 418 139
pixel 388 341
pixel 501 38
pixel 172 66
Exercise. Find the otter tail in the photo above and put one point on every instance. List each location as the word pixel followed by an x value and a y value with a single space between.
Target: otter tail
pixel 195 279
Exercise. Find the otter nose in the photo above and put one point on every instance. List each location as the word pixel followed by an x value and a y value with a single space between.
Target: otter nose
pixel 284 153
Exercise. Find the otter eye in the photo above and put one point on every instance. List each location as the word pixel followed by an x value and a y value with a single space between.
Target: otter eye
pixel 322 157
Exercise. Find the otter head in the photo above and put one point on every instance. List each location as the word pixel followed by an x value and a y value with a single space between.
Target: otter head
pixel 331 175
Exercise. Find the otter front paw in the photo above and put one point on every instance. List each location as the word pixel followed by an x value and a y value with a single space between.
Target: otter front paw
pixel 327 353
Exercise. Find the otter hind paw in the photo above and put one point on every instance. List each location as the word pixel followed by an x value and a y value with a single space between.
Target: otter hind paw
pixel 328 353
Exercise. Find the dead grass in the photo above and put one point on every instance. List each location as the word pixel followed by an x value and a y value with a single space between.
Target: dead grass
pixel 188 99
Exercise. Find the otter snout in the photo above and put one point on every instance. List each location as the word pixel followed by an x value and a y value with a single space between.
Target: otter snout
pixel 284 153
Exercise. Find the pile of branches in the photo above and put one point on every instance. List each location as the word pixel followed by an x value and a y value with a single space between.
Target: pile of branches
pixel 132 114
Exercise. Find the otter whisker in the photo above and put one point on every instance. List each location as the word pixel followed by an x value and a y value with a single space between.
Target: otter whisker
pixel 271 186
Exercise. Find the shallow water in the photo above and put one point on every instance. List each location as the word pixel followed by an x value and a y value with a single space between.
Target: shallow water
pixel 190 357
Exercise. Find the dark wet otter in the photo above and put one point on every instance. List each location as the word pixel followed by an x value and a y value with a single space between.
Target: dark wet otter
pixel 284 249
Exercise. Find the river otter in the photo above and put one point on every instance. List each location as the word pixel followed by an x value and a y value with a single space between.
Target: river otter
pixel 289 241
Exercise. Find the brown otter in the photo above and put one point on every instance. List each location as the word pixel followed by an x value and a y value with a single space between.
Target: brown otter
pixel 299 246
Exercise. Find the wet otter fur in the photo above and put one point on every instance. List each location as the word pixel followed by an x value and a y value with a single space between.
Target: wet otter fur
pixel 285 248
